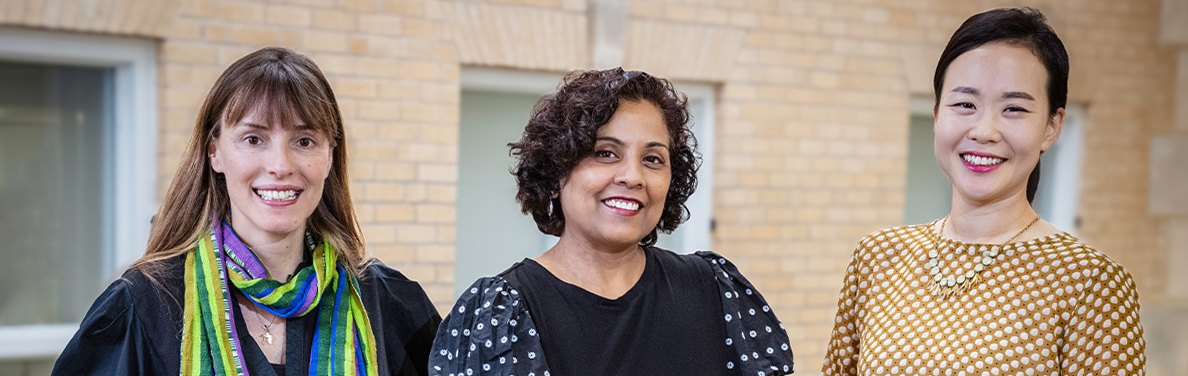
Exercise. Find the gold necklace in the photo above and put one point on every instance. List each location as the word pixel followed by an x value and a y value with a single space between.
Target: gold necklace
pixel 944 287
pixel 267 335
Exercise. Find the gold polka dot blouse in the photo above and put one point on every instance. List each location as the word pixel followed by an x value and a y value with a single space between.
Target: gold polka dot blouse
pixel 1048 306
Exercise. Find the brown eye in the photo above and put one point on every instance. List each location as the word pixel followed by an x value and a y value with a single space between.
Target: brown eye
pixel 305 142
pixel 253 140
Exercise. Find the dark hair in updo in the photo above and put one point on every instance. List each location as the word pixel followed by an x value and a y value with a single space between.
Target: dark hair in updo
pixel 564 126
pixel 1024 27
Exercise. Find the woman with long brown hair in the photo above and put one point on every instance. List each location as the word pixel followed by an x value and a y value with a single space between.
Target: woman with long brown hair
pixel 256 264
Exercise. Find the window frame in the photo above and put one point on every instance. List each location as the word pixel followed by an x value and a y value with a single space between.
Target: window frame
pixel 134 154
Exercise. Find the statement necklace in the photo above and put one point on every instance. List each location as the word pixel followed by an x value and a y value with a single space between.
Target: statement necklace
pixel 944 287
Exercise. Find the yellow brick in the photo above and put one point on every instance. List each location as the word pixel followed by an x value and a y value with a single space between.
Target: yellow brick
pixel 351 87
pixel 357 46
pixel 405 7
pixel 395 213
pixel 329 41
pixel 383 192
pixel 421 29
pixel 393 253
pixel 334 19
pixel 360 5
pixel 432 172
pixel 427 213
pixel 256 36
pixel 241 12
pixel 184 29
pixel 411 234
pixel 187 52
pixel 379 234
pixel 380 24
pixel 289 16
pixel 378 109
pixel 396 171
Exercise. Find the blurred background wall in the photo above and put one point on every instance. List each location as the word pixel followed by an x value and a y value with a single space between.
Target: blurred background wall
pixel 808 110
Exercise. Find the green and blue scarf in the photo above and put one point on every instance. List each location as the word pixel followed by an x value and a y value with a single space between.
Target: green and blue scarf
pixel 343 343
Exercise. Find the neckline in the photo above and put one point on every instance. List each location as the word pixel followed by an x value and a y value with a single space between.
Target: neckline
pixel 577 291
pixel 1046 239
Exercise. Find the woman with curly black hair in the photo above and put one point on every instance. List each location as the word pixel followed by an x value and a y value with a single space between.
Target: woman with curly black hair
pixel 605 164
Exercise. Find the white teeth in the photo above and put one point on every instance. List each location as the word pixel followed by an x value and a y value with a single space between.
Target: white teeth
pixel 276 195
pixel 622 204
pixel 981 161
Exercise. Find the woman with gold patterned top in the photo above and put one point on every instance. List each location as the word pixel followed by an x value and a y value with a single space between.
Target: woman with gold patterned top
pixel 990 288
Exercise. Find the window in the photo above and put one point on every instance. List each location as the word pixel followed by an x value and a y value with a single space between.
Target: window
pixel 929 191
pixel 493 234
pixel 77 167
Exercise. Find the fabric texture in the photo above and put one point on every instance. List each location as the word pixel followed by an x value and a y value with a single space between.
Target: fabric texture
pixel 135 327
pixel 343 343
pixel 1048 306
pixel 688 314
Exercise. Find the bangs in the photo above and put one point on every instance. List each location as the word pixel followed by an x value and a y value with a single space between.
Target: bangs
pixel 277 95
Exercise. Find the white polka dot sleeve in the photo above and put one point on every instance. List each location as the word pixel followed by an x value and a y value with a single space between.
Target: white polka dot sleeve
pixel 489 332
pixel 753 333
pixel 841 358
pixel 1104 335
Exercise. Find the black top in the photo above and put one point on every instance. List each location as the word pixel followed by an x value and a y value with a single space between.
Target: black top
pixel 687 315
pixel 135 328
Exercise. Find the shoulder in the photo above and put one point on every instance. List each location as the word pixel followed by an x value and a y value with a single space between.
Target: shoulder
pixel 887 243
pixel 489 324
pixel 387 289
pixel 1076 266
pixel 696 264
pixel 157 289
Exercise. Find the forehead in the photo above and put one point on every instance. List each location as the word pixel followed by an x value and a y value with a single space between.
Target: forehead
pixel 998 67
pixel 265 115
pixel 636 120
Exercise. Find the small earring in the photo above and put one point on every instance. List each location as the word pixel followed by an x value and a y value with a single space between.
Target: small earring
pixel 552 198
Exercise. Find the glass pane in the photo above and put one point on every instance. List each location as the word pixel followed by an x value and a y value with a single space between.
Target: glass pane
pixel 928 189
pixel 54 191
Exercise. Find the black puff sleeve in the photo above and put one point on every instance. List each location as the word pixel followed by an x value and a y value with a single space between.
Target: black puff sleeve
pixel 489 332
pixel 754 334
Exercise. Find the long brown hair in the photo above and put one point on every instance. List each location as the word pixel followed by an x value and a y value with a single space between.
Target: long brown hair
pixel 284 86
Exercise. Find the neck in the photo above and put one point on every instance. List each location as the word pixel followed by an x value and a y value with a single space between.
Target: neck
pixel 608 271
pixel 988 222
pixel 280 253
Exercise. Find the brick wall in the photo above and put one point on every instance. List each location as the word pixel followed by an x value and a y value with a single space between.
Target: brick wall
pixel 812 113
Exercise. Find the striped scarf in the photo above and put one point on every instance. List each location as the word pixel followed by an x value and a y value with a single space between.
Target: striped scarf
pixel 343 343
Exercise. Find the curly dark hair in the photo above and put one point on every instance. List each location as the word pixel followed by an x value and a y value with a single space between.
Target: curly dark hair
pixel 563 129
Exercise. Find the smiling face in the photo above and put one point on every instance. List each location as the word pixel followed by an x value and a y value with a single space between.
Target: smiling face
pixel 992 122
pixel 275 176
pixel 615 196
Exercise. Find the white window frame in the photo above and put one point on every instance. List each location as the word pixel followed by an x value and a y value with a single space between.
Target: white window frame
pixel 134 155
pixel 695 234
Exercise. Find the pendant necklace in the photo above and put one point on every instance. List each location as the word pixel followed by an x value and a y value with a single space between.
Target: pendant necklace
pixel 267 335
pixel 943 286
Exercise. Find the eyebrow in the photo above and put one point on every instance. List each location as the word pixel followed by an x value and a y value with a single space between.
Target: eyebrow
pixel 1006 95
pixel 252 125
pixel 1017 95
pixel 966 90
pixel 620 142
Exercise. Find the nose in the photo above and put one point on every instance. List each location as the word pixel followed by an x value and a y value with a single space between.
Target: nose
pixel 630 175
pixel 279 161
pixel 985 130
